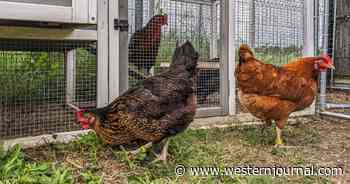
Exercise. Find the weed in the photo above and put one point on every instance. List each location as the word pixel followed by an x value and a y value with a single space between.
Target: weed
pixel 90 178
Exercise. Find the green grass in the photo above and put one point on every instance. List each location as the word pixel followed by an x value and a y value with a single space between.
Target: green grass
pixel 215 147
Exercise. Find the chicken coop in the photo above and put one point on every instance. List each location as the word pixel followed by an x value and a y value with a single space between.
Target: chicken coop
pixel 87 52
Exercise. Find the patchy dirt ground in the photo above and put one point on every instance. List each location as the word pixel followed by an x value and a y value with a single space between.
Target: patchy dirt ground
pixel 308 141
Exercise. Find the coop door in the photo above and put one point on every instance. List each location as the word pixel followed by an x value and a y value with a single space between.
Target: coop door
pixel 196 21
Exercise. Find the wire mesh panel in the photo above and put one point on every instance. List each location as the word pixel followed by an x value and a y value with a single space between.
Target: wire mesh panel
pixel 342 40
pixel 334 39
pixel 274 28
pixel 39 79
pixel 158 26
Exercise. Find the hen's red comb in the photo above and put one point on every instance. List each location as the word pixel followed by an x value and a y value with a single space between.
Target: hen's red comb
pixel 79 115
pixel 327 59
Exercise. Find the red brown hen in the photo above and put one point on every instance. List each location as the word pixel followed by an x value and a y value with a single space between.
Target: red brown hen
pixel 273 93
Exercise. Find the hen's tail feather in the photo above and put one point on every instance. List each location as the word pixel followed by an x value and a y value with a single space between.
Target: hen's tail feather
pixel 245 52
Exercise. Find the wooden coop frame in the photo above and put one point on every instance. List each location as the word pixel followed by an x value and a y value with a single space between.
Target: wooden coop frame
pixel 112 75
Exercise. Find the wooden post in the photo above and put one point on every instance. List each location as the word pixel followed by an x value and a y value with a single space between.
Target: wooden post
pixel 70 66
pixel 114 51
pixel 123 49
pixel 227 79
pixel 102 53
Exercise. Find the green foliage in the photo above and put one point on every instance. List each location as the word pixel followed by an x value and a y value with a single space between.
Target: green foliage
pixel 92 144
pixel 256 136
pixel 15 170
pixel 123 156
pixel 90 178
pixel 38 75
pixel 86 76
pixel 26 74
pixel 90 139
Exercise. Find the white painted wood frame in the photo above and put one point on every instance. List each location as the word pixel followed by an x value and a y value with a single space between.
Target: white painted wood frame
pixel 114 50
pixel 309 40
pixel 81 12
pixel 123 49
pixel 102 53
pixel 227 79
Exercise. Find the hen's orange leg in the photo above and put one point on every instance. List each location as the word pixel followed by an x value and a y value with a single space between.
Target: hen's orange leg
pixel 279 140
pixel 279 126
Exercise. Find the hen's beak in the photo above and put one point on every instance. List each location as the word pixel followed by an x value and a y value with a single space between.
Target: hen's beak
pixel 331 66
pixel 328 61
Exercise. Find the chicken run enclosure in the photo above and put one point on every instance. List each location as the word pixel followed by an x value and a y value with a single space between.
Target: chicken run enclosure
pixel 78 54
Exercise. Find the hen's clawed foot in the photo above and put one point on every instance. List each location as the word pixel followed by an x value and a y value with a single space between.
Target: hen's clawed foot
pixel 163 155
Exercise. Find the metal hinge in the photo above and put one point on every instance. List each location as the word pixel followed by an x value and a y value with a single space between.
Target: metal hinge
pixel 121 25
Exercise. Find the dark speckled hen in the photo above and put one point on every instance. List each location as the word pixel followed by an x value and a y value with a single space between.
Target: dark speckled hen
pixel 155 109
